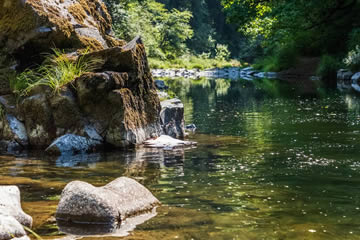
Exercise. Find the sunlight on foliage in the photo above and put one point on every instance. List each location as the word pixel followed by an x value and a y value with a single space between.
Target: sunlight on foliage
pixel 163 31
pixel 353 58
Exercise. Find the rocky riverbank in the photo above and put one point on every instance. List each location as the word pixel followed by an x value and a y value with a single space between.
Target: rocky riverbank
pixel 229 73
pixel 347 80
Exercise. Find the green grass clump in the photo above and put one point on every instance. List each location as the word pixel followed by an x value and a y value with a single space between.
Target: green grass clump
pixel 57 71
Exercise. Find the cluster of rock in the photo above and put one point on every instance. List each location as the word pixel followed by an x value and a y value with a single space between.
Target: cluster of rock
pixel 117 105
pixel 248 73
pixel 83 208
pixel 12 217
pixel 348 80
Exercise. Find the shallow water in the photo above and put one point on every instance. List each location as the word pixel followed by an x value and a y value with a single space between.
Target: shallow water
pixel 273 161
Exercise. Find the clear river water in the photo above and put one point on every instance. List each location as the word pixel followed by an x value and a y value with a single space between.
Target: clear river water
pixel 273 161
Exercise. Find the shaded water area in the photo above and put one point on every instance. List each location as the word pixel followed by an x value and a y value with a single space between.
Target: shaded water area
pixel 273 161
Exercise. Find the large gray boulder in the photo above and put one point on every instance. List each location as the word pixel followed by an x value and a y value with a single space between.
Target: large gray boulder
pixel 172 118
pixel 71 144
pixel 82 203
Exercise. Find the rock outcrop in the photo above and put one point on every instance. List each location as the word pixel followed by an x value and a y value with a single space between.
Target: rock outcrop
pixel 118 100
pixel 63 23
pixel 110 205
pixel 172 118
pixel 30 27
pixel 12 217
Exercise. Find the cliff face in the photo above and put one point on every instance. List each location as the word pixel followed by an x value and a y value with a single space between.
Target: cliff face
pixel 115 105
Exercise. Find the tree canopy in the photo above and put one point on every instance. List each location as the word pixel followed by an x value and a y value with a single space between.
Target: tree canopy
pixel 314 26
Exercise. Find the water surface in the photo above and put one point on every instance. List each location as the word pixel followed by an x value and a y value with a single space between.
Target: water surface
pixel 274 161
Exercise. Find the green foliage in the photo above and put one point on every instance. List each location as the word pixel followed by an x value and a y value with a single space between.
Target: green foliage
pixel 328 67
pixel 313 28
pixel 192 62
pixel 352 60
pixel 56 72
pixel 279 59
pixel 169 31
pixel 222 52
pixel 164 31
pixel 354 39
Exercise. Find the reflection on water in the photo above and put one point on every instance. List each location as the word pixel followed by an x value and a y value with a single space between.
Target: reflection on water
pixel 99 230
pixel 273 162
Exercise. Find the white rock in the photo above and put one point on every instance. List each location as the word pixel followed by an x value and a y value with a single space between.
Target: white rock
pixel 10 205
pixel 10 228
pixel 167 143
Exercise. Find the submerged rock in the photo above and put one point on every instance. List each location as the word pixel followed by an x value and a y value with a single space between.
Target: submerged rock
pixel 172 118
pixel 110 205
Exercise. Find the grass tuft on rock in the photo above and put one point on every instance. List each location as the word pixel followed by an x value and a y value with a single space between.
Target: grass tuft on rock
pixel 56 71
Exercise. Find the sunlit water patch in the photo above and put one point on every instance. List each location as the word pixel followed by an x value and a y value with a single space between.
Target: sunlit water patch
pixel 271 163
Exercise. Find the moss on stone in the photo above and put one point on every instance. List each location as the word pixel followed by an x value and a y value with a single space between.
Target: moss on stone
pixel 133 118
pixel 53 14
pixel 114 42
pixel 11 14
pixel 101 15
pixel 92 43
pixel 78 12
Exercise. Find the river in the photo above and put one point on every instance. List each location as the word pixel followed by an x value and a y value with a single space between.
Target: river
pixel 272 162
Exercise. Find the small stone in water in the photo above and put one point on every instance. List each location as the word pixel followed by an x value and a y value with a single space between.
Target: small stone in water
pixel 312 230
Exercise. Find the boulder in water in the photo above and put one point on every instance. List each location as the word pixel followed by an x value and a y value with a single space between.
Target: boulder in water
pixel 172 118
pixel 82 203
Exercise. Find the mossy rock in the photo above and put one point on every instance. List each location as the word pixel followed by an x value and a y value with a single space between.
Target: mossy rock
pixel 65 23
